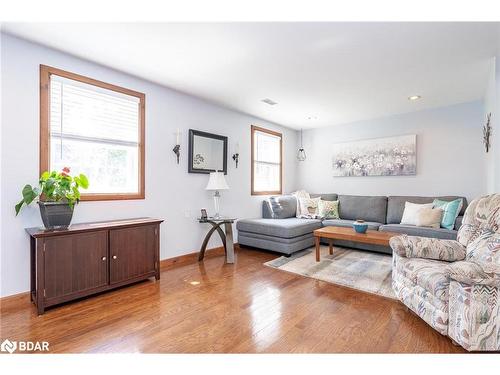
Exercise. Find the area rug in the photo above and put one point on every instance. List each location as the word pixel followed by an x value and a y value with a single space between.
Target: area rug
pixel 362 270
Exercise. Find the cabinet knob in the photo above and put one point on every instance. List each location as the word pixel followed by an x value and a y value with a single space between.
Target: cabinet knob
pixel 114 257
pixel 103 258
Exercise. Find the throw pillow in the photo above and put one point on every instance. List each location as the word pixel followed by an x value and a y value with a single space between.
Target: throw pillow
pixel 300 194
pixel 429 217
pixel 328 209
pixel 308 207
pixel 411 212
pixel 451 211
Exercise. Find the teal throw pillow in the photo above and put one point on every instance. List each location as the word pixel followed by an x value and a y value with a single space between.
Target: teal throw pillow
pixel 450 211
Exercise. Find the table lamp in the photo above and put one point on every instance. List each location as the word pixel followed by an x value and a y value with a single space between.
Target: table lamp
pixel 217 182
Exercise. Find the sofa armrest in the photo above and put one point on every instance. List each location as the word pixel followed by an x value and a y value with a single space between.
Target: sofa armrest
pixel 429 248
pixel 472 273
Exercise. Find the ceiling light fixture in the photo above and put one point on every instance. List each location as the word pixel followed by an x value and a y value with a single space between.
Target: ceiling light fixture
pixel 301 154
pixel 269 101
pixel 414 97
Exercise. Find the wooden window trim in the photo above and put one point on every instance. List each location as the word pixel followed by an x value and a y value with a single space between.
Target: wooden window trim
pixel 45 73
pixel 255 128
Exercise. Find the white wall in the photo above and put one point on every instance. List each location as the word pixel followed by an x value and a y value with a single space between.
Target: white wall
pixel 495 137
pixel 490 105
pixel 450 156
pixel 171 193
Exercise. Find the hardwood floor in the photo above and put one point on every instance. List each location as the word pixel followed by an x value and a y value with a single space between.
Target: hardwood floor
pixel 213 307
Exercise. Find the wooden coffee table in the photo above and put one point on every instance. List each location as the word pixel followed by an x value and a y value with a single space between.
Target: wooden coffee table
pixel 373 237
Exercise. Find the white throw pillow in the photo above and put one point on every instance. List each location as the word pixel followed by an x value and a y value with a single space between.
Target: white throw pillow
pixel 308 207
pixel 298 195
pixel 429 217
pixel 411 212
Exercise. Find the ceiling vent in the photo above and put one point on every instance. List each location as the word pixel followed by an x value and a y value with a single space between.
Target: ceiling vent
pixel 269 101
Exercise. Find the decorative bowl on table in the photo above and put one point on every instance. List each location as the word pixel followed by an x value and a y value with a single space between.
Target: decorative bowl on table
pixel 360 226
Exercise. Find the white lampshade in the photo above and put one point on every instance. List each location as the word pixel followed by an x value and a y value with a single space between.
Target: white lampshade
pixel 217 182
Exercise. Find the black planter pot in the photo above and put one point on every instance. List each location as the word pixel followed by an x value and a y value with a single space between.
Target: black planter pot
pixel 56 215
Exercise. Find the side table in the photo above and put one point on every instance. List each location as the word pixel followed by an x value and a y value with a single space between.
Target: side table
pixel 227 237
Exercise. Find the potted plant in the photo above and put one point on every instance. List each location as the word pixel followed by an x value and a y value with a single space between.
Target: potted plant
pixel 57 195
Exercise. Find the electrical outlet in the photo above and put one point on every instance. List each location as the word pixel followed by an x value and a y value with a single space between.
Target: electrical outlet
pixel 187 214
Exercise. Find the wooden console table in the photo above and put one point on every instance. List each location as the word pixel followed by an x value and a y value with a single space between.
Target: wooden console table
pixel 89 258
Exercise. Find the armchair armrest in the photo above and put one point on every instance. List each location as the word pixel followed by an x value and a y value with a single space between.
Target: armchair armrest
pixel 429 248
pixel 472 273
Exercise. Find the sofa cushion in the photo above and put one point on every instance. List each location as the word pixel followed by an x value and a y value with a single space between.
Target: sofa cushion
pixel 259 236
pixel 367 208
pixel 286 228
pixel 348 223
pixel 396 205
pixel 283 206
pixel 413 230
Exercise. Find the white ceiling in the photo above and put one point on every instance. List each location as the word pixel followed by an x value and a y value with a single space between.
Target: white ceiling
pixel 336 72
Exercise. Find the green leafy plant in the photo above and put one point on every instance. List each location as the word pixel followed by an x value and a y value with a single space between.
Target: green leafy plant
pixel 55 187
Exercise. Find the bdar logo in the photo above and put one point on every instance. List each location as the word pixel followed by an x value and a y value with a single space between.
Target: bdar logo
pixel 8 346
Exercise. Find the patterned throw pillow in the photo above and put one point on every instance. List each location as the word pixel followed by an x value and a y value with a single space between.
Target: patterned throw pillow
pixel 308 207
pixel 451 211
pixel 328 209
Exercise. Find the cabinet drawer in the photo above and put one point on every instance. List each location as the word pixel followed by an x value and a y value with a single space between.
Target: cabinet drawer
pixel 75 263
pixel 132 252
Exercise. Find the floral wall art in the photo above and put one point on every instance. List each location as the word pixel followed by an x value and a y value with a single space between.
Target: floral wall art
pixel 393 156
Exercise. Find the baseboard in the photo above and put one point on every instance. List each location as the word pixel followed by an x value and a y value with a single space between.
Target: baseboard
pixel 13 297
pixel 180 260
pixel 192 257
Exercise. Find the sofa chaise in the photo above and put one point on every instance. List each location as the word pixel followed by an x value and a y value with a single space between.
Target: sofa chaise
pixel 454 286
pixel 279 230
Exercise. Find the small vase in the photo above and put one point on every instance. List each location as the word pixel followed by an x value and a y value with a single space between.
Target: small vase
pixel 360 226
pixel 56 215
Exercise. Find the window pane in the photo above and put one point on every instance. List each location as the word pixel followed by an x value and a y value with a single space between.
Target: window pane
pixel 266 177
pixel 110 168
pixel 84 110
pixel 267 147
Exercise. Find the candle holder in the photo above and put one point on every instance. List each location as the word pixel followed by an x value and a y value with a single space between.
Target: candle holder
pixel 177 151
pixel 235 158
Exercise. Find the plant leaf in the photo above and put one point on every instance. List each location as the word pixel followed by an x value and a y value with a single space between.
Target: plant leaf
pixel 18 206
pixel 84 182
pixel 29 194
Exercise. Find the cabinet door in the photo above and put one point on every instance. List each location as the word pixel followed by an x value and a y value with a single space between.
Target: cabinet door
pixel 132 252
pixel 75 263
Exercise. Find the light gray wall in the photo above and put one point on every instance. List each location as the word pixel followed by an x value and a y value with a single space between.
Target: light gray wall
pixel 490 105
pixel 171 193
pixel 495 138
pixel 450 156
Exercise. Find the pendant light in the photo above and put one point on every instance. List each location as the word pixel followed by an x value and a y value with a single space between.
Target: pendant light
pixel 301 154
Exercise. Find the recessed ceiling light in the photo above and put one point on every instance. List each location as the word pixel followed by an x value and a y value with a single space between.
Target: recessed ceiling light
pixel 269 101
pixel 414 97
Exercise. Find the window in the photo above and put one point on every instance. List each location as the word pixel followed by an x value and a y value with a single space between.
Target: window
pixel 94 128
pixel 266 161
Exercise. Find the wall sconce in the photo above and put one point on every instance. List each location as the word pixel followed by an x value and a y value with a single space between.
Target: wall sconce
pixel 236 154
pixel 177 148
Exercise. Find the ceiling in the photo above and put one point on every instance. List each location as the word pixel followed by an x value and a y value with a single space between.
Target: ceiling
pixel 319 74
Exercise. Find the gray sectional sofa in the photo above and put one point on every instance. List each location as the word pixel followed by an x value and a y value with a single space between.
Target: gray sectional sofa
pixel 279 230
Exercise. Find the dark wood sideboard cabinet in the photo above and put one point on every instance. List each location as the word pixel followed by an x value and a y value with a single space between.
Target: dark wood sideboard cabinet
pixel 90 258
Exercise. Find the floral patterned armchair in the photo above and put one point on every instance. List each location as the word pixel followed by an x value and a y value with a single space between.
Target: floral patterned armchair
pixel 455 285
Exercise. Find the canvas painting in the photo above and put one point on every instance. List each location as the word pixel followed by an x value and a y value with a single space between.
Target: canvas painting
pixel 393 156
